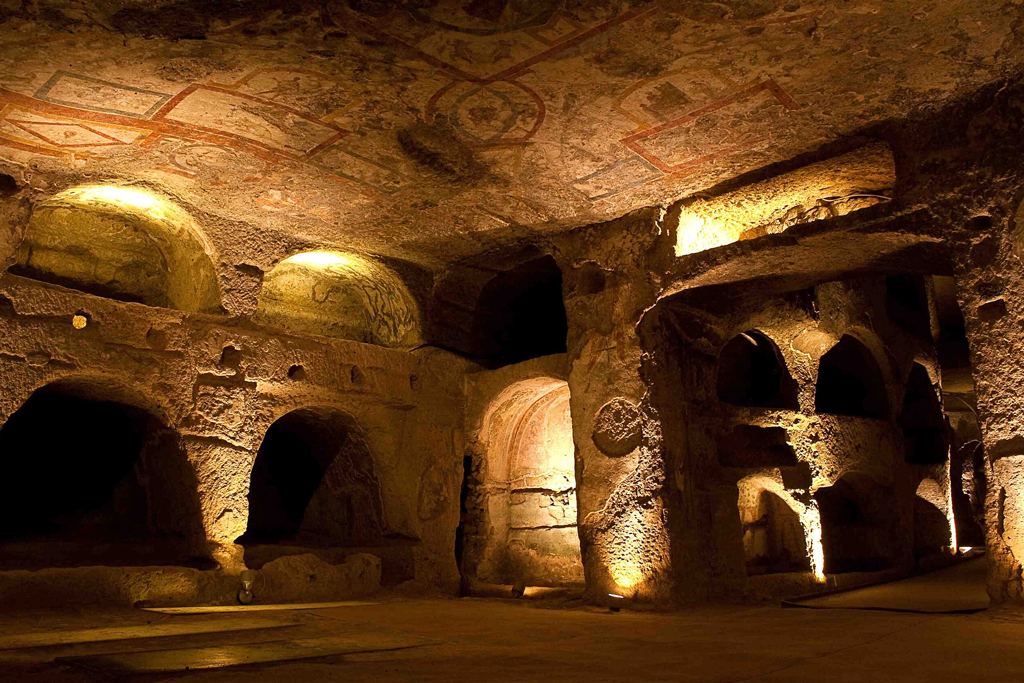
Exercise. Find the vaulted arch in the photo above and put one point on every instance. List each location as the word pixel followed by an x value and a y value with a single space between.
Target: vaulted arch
pixel 125 243
pixel 335 294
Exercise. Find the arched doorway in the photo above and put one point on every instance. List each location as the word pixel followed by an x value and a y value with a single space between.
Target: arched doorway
pixel 519 516
pixel 313 484
pixel 92 479
pixel 773 537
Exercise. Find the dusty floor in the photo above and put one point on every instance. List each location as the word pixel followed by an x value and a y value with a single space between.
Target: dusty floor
pixel 482 640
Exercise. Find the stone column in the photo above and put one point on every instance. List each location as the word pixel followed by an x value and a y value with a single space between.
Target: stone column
pixel 990 291
pixel 619 469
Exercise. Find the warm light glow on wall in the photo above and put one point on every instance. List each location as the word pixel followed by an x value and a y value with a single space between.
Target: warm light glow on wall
pixel 123 199
pixel 323 259
pixel 338 294
pixel 833 187
pixel 810 519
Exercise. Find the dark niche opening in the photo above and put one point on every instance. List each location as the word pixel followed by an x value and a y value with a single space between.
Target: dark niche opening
pixel 313 484
pixel 751 373
pixel 850 382
pixel 521 314
pixel 773 538
pixel 906 304
pixel 924 426
pixel 94 482
pixel 857 525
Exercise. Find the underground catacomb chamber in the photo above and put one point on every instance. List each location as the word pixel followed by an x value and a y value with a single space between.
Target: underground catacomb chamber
pixel 519 514
pixel 751 373
pixel 313 487
pixel 91 479
pixel 773 537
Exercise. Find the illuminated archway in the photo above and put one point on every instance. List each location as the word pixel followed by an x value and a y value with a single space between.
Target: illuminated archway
pixel 124 243
pixel 525 488
pixel 90 477
pixel 774 540
pixel 340 295
pixel 859 525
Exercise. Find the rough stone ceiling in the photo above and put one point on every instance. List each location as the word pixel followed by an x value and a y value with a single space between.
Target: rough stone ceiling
pixel 432 130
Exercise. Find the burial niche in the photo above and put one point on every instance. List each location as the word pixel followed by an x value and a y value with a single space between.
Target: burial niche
pixel 751 373
pixel 906 304
pixel 922 421
pixel 92 479
pixel 313 484
pixel 773 538
pixel 850 382
pixel 858 525
pixel 519 515
pixel 335 294
pixel 122 243
pixel 521 314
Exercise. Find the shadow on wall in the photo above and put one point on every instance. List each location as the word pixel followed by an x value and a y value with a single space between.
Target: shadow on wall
pixel 94 481
pixel 922 421
pixel 340 295
pixel 122 243
pixel 313 484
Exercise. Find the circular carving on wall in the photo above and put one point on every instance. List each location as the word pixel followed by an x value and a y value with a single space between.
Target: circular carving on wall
pixel 617 427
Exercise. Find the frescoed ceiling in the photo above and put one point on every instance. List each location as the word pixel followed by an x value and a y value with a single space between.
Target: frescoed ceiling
pixel 432 130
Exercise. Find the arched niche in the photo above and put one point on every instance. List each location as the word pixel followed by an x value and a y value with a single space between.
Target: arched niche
pixel 124 243
pixel 523 522
pixel 335 294
pixel 850 381
pixel 773 536
pixel 934 532
pixel 520 314
pixel 313 484
pixel 91 477
pixel 859 525
pixel 924 426
pixel 751 372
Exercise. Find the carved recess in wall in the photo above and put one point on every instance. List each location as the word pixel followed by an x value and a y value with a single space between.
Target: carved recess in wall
pixel 617 427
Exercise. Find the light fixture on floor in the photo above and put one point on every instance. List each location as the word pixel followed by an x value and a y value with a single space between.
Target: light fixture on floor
pixel 615 602
pixel 518 589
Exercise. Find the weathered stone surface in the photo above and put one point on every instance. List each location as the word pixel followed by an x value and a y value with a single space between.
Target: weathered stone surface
pixel 302 578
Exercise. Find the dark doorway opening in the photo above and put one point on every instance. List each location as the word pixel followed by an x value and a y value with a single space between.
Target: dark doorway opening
pixel 858 520
pixel 94 482
pixel 521 314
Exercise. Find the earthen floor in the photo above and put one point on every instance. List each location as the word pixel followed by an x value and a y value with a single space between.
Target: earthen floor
pixel 487 639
